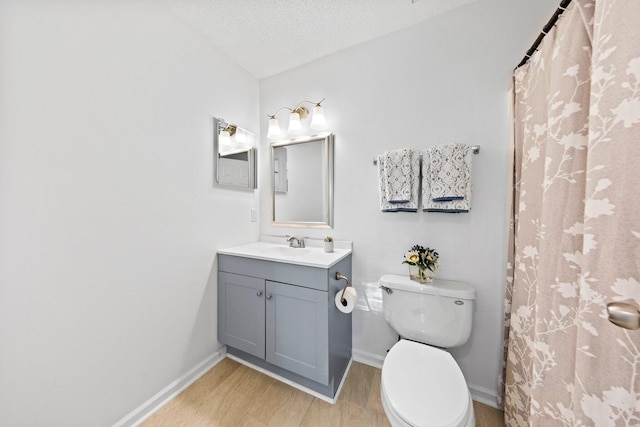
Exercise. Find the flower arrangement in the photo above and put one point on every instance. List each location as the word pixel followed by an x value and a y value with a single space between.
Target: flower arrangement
pixel 422 259
pixel 328 239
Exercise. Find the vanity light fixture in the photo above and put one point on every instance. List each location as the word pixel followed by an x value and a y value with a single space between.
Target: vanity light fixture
pixel 296 116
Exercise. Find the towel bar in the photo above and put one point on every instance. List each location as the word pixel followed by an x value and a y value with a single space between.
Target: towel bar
pixel 475 149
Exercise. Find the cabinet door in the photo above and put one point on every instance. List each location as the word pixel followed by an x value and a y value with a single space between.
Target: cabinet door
pixel 297 330
pixel 241 312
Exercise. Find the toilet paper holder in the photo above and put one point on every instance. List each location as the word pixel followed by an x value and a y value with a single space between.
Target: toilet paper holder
pixel 340 276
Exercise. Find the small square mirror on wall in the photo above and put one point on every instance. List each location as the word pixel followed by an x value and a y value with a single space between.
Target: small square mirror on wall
pixel 234 156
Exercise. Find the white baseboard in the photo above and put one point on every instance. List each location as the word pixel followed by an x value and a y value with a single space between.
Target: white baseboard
pixel 367 358
pixel 484 395
pixel 157 401
pixel 342 381
pixel 293 383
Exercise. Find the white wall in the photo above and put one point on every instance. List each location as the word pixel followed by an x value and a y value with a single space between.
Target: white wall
pixel 441 81
pixel 109 221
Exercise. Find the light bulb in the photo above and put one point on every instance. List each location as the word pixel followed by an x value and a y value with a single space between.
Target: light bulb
pixel 224 141
pixel 274 128
pixel 241 137
pixel 318 121
pixel 295 127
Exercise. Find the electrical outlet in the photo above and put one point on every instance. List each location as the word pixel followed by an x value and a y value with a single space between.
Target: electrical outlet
pixel 254 215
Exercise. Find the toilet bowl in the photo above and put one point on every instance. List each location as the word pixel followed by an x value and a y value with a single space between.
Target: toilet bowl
pixel 422 386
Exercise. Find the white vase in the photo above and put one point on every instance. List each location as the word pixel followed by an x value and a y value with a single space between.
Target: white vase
pixel 328 246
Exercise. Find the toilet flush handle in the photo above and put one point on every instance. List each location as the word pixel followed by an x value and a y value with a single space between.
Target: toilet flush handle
pixel 387 290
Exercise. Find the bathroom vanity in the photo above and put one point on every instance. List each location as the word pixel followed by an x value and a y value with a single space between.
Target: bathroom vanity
pixel 276 311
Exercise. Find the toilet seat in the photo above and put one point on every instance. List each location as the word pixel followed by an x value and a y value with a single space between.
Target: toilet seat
pixel 423 386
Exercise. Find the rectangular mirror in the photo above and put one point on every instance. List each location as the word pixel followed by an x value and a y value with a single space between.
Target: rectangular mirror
pixel 302 181
pixel 234 156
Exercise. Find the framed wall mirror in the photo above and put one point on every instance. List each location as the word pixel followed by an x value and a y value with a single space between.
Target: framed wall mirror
pixel 234 156
pixel 302 182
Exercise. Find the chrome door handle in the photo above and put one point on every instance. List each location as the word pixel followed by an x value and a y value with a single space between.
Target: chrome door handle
pixel 623 315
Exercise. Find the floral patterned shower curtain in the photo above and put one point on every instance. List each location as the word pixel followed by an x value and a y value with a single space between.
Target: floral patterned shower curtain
pixel 576 225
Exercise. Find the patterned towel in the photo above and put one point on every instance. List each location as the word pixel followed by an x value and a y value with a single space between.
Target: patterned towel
pixel 450 172
pixel 397 174
pixel 412 204
pixel 453 206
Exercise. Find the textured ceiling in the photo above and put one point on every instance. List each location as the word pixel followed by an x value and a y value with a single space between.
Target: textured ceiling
pixel 267 37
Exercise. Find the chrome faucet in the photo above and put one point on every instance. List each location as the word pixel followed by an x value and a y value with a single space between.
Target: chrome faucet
pixel 295 242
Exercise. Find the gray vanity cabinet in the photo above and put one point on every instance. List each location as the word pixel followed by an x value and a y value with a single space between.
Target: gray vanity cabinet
pixel 296 330
pixel 281 317
pixel 241 317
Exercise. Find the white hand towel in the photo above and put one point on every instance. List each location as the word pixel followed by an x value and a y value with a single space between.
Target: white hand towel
pixel 451 205
pixel 397 174
pixel 450 172
pixel 412 204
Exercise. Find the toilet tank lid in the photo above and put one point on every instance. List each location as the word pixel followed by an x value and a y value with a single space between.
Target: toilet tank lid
pixel 445 288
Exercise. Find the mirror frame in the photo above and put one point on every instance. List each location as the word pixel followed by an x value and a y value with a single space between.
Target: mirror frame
pixel 252 183
pixel 328 139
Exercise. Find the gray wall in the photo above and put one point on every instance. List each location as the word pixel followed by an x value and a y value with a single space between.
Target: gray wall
pixel 444 80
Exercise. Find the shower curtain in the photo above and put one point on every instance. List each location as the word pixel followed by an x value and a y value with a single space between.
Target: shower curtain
pixel 575 236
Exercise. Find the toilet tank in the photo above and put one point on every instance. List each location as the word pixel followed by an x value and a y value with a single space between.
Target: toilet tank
pixel 437 313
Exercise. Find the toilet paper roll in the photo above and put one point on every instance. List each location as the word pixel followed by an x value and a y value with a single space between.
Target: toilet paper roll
pixel 350 300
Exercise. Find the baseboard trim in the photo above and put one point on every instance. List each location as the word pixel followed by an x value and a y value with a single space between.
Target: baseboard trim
pixel 484 395
pixel 342 381
pixel 293 383
pixel 157 401
pixel 367 358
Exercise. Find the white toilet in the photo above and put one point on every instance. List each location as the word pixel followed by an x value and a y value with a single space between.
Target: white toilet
pixel 422 385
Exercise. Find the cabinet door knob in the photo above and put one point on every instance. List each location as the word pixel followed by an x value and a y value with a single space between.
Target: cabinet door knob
pixel 259 293
pixel 269 296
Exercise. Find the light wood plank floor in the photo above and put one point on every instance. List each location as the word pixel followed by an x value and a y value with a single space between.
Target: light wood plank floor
pixel 231 394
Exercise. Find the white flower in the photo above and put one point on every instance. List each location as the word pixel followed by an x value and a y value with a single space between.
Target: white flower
pixel 628 112
pixel 634 68
pixel 603 184
pixel 412 256
pixel 572 71
pixel 627 289
pixel 593 208
pixel 574 140
pixel 530 252
pixel 570 108
pixel 539 129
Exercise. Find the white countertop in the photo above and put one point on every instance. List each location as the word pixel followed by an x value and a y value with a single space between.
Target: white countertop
pixel 275 248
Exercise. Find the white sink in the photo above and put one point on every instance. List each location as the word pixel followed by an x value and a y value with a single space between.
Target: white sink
pixel 285 251
pixel 313 255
